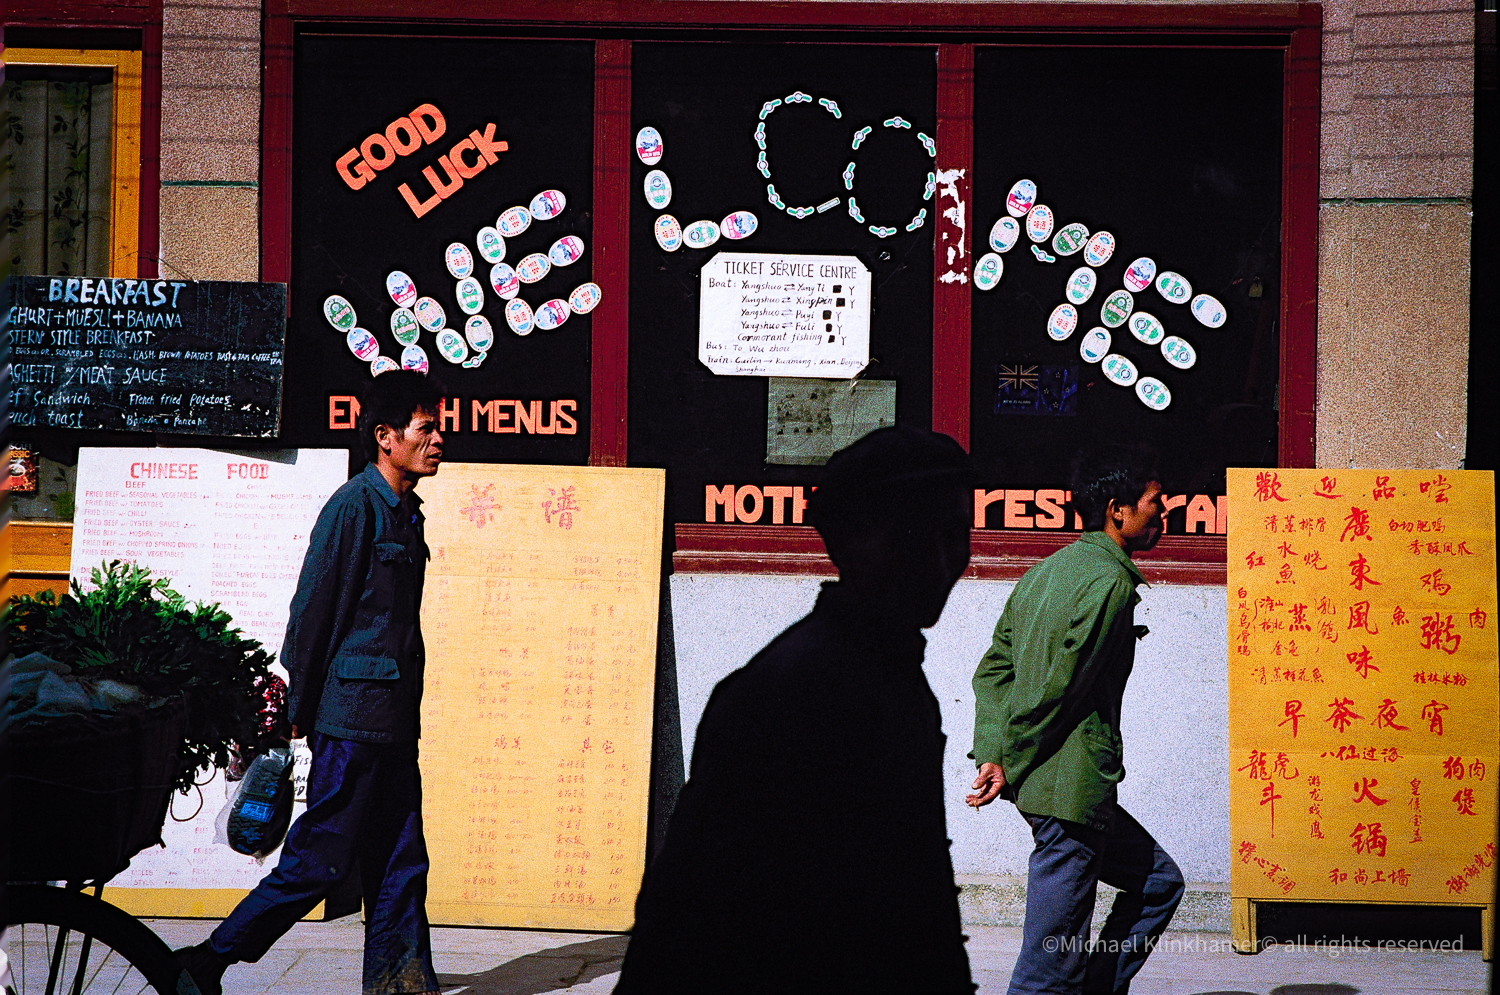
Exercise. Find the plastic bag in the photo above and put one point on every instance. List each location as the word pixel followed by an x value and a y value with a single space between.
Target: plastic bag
pixel 41 690
pixel 261 809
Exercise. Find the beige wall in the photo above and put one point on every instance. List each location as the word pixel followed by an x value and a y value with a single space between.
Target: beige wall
pixel 1394 225
pixel 210 140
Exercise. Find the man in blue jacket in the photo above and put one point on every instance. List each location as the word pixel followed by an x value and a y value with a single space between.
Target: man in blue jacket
pixel 354 653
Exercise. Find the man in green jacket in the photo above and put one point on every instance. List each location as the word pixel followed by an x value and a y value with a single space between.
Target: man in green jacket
pixel 1047 737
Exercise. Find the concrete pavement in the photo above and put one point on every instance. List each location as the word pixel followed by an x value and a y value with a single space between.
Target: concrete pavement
pixel 324 959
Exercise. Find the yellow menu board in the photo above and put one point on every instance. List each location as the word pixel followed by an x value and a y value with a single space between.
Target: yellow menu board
pixel 539 615
pixel 1362 685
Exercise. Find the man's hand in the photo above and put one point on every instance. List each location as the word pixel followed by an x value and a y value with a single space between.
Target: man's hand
pixel 989 782
pixel 297 734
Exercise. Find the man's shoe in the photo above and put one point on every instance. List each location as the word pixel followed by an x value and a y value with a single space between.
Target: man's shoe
pixel 204 967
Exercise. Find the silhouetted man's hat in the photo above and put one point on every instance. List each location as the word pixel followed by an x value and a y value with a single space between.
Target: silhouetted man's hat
pixel 886 468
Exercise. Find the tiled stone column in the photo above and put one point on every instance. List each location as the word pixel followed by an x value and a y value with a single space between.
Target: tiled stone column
pixel 1394 227
pixel 210 140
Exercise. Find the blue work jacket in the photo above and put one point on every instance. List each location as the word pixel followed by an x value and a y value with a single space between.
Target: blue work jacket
pixel 353 646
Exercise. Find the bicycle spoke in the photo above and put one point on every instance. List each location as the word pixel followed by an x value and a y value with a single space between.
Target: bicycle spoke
pixel 57 958
pixel 110 952
pixel 116 990
pixel 75 973
pixel 46 940
pixel 144 983
pixel 83 964
pixel 84 946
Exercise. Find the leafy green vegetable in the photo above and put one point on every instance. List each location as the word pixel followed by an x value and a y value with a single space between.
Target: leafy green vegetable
pixel 137 630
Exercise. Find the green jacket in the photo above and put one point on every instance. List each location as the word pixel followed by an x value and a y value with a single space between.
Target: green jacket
pixel 1047 694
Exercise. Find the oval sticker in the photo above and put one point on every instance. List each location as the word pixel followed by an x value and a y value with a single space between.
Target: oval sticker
pixel 459 260
pixel 1153 393
pixel 382 364
pixel 491 244
pixel 1099 248
pixel 1119 370
pixel 1069 239
pixel 470 295
pixel 400 287
pixel 552 314
pixel 1174 287
pixel 479 333
pixel 1178 352
pixel 668 233
pixel 533 268
pixel 1145 327
pixel 740 224
pixel 658 189
pixel 503 278
pixel 566 251
pixel 1117 307
pixel 648 145
pixel 404 326
pixel 700 234
pixel 1061 322
pixel 987 271
pixel 339 312
pixel 1140 274
pixel 362 343
pixel 547 205
pixel 451 346
pixel 414 357
pixel 584 298
pixel 429 314
pixel 1020 199
pixel 1095 345
pixel 1081 285
pixel 1005 234
pixel 519 317
pixel 1208 311
pixel 1039 223
pixel 512 221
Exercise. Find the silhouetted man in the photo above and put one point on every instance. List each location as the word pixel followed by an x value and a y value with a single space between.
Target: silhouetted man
pixel 1047 735
pixel 354 651
pixel 808 852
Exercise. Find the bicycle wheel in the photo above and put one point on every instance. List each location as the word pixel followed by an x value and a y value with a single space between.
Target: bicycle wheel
pixel 64 942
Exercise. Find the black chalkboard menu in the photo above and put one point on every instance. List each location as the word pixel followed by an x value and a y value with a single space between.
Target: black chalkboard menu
pixel 189 357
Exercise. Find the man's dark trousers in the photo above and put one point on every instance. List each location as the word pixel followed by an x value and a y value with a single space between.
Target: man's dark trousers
pixel 1069 861
pixel 364 806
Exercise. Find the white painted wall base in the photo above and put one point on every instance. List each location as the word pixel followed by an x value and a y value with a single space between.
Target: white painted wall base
pixel 1175 723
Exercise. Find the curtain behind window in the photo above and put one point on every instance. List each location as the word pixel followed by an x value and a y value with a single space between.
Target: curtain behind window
pixel 56 150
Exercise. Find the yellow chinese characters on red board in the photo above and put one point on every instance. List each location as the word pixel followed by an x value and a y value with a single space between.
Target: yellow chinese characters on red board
pixel 1363 685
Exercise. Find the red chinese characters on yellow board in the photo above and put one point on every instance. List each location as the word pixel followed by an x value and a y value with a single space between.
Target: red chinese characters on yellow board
pixel 540 613
pixel 1363 690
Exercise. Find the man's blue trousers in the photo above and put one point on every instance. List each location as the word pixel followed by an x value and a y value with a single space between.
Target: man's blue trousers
pixel 1066 867
pixel 364 813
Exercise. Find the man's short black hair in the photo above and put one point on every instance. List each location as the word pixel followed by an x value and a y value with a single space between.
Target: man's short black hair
pixel 392 399
pixel 1116 472
pixel 888 475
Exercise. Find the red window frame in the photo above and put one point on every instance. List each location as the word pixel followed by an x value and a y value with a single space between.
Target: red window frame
pixel 956 29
